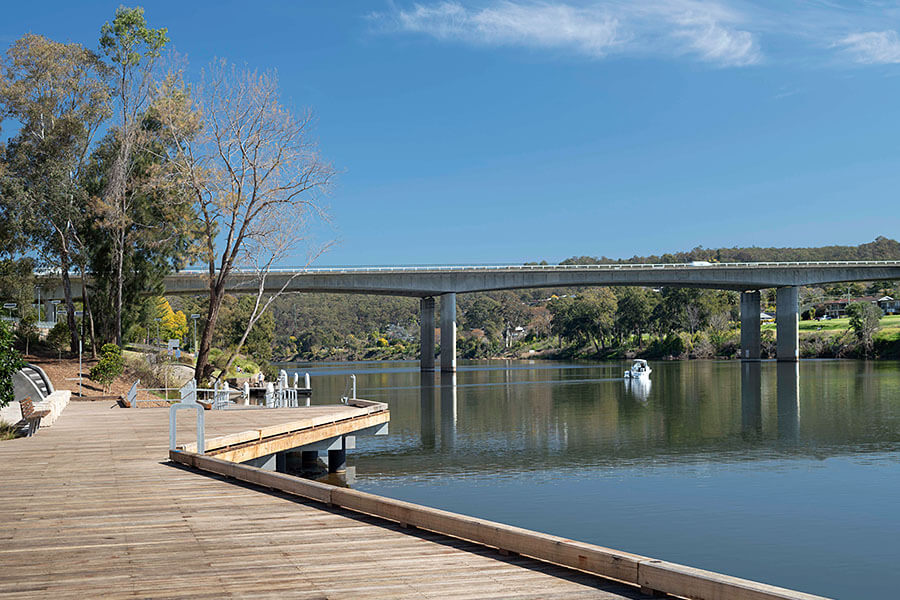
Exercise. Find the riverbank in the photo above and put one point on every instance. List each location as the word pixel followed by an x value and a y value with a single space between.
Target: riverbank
pixel 818 339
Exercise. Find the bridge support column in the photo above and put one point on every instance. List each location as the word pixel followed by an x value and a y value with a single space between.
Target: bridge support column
pixel 750 341
pixel 787 323
pixel 448 333
pixel 426 334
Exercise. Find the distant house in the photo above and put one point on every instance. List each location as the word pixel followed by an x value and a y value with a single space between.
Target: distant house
pixel 838 308
pixel 889 305
pixel 398 332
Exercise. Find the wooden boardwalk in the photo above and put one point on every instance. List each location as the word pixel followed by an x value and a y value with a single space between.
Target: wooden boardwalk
pixel 92 507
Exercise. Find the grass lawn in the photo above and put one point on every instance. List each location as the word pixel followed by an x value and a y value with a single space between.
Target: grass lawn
pixel 888 322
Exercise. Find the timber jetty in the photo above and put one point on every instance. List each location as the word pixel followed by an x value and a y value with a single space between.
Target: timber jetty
pixel 92 507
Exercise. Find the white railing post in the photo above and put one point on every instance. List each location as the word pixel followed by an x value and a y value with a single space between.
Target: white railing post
pixel 132 394
pixel 188 400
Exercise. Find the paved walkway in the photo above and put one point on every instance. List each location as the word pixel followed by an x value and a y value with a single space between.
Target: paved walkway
pixel 91 507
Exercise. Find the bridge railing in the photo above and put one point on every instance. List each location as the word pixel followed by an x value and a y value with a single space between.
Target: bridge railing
pixel 603 266
pixel 193 272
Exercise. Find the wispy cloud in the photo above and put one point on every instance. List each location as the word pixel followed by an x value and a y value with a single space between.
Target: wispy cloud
pixel 586 31
pixel 706 30
pixel 715 42
pixel 872 47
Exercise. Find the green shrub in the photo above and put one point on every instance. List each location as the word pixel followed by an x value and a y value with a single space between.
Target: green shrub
pixel 110 366
pixel 27 331
pixel 59 338
pixel 10 362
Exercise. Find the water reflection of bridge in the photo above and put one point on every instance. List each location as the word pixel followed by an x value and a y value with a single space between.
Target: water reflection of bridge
pixel 787 395
pixel 439 410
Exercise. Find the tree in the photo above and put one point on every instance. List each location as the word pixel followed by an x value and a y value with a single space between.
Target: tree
pixel 57 92
pixel 719 322
pixel 255 174
pixel 159 235
pixel 10 362
pixel 864 320
pixel 483 313
pixel 173 324
pixel 633 311
pixel 133 49
pixel 589 317
pixel 235 313
pixel 110 366
pixel 27 330
pixel 513 313
pixel 58 336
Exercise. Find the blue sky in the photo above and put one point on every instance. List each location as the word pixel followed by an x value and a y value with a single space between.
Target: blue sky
pixel 510 131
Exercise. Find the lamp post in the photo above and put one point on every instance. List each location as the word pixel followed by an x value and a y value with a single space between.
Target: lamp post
pixel 194 318
pixel 55 304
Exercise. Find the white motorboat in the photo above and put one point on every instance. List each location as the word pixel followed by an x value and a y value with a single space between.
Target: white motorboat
pixel 639 370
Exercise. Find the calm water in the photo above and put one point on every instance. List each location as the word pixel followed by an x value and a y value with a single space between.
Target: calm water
pixel 783 474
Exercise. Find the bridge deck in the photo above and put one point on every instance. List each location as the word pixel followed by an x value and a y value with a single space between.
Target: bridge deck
pixel 91 508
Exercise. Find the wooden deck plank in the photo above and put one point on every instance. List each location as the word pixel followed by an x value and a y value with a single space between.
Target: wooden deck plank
pixel 93 508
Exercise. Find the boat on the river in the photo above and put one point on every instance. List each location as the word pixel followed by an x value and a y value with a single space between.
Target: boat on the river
pixel 639 370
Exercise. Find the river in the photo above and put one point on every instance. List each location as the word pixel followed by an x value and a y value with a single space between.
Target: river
pixel 782 473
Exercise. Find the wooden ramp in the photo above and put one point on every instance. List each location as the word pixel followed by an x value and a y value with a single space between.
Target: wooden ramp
pixel 92 508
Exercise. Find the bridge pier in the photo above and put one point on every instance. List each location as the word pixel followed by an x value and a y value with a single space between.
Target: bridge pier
pixel 787 324
pixel 750 337
pixel 426 334
pixel 448 332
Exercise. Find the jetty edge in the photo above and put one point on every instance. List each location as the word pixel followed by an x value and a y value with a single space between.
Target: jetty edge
pixel 652 576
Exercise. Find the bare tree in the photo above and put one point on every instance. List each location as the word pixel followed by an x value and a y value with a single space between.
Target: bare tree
pixel 693 316
pixel 256 175
pixel 719 322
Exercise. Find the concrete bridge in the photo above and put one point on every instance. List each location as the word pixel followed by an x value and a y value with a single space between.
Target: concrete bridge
pixel 431 282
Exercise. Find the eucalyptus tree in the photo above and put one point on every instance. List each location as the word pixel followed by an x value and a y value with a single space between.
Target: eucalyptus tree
pixel 158 235
pixel 133 48
pixel 58 94
pixel 255 174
